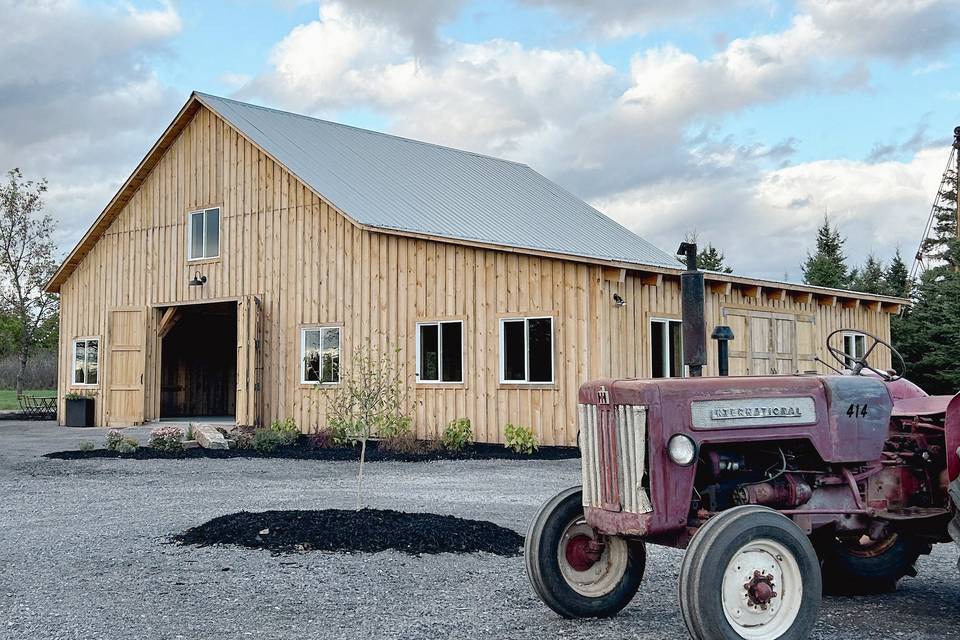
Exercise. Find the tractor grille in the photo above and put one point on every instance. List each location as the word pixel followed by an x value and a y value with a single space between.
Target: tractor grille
pixel 613 450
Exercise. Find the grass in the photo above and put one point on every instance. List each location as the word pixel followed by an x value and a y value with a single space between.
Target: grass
pixel 8 397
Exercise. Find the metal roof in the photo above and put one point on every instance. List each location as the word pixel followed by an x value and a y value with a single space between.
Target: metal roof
pixel 388 182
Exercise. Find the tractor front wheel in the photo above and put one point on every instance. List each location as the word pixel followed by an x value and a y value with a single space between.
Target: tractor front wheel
pixel 576 572
pixel 749 574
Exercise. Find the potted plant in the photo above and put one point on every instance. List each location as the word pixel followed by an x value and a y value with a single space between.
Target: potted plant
pixel 79 410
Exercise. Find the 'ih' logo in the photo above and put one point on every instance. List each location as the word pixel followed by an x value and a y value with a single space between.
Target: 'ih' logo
pixel 603 396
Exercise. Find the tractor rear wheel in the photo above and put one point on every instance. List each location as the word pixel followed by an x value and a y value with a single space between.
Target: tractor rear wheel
pixel 574 571
pixel 861 566
pixel 750 574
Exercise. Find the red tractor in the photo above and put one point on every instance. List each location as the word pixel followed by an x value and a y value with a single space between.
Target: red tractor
pixel 779 488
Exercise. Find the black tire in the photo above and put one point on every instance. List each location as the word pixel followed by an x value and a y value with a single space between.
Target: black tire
pixel 708 558
pixel 541 557
pixel 849 570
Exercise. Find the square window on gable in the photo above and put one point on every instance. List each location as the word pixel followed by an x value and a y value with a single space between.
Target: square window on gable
pixel 204 234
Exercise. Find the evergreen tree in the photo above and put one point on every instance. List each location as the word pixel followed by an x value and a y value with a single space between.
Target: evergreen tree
pixel 870 277
pixel 928 335
pixel 712 259
pixel 897 277
pixel 936 246
pixel 827 267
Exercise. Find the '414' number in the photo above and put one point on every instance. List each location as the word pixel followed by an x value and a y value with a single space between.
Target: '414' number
pixel 857 410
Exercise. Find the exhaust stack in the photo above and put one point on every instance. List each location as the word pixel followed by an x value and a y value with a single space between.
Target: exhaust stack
pixel 692 311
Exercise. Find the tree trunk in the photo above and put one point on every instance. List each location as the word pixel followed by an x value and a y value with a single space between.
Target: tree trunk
pixel 363 455
pixel 21 370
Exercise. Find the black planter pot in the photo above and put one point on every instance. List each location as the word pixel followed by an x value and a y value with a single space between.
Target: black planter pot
pixel 79 412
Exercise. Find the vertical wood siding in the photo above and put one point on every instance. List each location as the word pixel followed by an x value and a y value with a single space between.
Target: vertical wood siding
pixel 310 265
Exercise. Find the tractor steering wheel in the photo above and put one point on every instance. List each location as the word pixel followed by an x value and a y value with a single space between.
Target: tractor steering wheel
pixel 857 365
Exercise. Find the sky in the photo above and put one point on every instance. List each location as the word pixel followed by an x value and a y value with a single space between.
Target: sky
pixel 742 121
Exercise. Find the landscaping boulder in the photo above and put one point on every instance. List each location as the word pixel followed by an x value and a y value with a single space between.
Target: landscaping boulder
pixel 208 437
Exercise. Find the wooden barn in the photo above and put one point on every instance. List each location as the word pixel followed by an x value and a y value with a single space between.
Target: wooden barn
pixel 252 250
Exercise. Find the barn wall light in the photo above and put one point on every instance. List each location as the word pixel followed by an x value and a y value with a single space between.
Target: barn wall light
pixel 198 280
pixel 619 301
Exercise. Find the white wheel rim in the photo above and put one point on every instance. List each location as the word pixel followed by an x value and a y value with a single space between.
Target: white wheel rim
pixel 605 574
pixel 763 560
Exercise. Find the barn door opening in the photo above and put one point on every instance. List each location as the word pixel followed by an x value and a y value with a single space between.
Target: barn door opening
pixel 126 337
pixel 249 359
pixel 198 366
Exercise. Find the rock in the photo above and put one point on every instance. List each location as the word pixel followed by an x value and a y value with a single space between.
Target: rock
pixel 208 437
pixel 190 444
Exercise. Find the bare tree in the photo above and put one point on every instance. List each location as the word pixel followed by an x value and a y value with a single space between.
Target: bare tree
pixel 26 262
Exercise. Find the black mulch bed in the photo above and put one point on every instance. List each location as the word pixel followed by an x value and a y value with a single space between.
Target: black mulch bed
pixel 367 530
pixel 304 451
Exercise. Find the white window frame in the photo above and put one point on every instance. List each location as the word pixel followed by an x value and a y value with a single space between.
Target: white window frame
pixel 526 351
pixel 854 335
pixel 86 362
pixel 303 352
pixel 666 347
pixel 437 323
pixel 203 243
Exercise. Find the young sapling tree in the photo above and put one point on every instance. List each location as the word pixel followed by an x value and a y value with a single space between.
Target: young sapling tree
pixel 368 401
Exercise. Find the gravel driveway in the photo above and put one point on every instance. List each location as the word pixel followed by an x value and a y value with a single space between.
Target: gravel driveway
pixel 83 555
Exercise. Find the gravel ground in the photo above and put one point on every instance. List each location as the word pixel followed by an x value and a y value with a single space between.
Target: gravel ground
pixel 83 554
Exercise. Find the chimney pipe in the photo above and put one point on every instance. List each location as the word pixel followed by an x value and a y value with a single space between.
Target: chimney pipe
pixel 692 310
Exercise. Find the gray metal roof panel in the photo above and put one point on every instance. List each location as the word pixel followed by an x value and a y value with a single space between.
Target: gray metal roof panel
pixel 388 182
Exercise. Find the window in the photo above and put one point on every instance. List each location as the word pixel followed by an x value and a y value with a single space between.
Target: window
pixel 320 355
pixel 526 350
pixel 86 360
pixel 204 237
pixel 854 346
pixel 440 351
pixel 666 348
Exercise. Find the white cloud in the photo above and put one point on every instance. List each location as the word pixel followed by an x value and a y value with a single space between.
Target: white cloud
pixel 80 103
pixel 766 223
pixel 618 19
pixel 890 28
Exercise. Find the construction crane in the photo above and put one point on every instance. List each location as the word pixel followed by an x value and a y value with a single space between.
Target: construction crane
pixel 921 260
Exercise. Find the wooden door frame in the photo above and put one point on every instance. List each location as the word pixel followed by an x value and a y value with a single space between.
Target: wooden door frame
pixel 156 309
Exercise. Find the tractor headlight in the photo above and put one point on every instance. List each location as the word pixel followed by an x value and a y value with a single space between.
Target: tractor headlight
pixel 682 450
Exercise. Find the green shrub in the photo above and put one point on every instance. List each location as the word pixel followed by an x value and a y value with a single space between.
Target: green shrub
pixel 393 425
pixel 286 430
pixel 267 440
pixel 86 445
pixel 127 445
pixel 458 435
pixel 520 439
pixel 120 443
pixel 168 439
